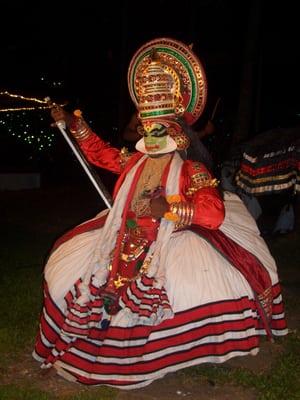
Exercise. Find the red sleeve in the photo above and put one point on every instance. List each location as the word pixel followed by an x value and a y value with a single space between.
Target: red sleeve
pixel 101 154
pixel 198 188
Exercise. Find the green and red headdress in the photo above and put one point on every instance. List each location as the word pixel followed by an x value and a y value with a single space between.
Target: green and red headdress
pixel 167 82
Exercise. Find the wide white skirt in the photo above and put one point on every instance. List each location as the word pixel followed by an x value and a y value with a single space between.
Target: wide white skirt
pixel 213 304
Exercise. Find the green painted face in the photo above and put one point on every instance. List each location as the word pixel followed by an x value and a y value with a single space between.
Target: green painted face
pixel 156 138
pixel 155 143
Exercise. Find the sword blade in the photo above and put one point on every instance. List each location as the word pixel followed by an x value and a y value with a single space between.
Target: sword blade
pixel 94 178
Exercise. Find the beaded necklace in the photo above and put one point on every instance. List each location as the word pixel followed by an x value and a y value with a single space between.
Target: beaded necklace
pixel 149 181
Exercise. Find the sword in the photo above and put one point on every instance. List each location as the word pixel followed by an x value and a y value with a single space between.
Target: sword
pixel 94 178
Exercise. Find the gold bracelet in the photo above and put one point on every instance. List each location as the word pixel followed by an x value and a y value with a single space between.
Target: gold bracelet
pixel 80 133
pixel 192 208
pixel 181 213
pixel 185 214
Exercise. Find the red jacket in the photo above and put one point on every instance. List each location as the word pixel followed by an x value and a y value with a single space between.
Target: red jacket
pixel 196 182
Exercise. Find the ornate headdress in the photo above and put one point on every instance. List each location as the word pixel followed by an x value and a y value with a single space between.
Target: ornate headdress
pixel 167 82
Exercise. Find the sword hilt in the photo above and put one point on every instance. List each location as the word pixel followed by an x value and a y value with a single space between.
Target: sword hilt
pixel 61 123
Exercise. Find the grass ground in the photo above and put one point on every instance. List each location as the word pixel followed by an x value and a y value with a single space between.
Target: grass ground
pixel 31 221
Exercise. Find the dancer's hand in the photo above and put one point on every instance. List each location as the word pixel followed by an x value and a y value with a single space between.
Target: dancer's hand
pixel 59 114
pixel 159 206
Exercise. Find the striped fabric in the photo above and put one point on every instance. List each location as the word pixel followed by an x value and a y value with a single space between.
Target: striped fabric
pixel 271 162
pixel 206 311
pixel 132 357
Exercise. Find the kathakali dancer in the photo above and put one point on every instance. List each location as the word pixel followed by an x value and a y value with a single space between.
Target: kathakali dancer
pixel 175 274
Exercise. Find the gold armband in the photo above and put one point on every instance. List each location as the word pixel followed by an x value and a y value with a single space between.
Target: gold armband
pixel 181 213
pixel 185 211
pixel 80 129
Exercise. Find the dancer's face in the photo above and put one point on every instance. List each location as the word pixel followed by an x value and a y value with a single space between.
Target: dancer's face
pixel 155 137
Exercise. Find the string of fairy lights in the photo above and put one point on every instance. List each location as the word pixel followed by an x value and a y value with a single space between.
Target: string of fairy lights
pixel 20 123
pixel 23 98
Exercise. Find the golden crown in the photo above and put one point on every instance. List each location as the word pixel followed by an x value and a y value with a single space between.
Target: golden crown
pixel 166 80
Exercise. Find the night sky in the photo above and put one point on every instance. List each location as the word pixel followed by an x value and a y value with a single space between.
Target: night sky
pixel 80 54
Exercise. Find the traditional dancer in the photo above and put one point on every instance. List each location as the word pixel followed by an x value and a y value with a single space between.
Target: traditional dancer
pixel 174 275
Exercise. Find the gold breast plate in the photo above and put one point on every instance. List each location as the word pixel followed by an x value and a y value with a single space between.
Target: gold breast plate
pixel 133 244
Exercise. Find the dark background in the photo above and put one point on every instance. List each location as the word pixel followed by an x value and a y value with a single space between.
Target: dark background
pixel 80 53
